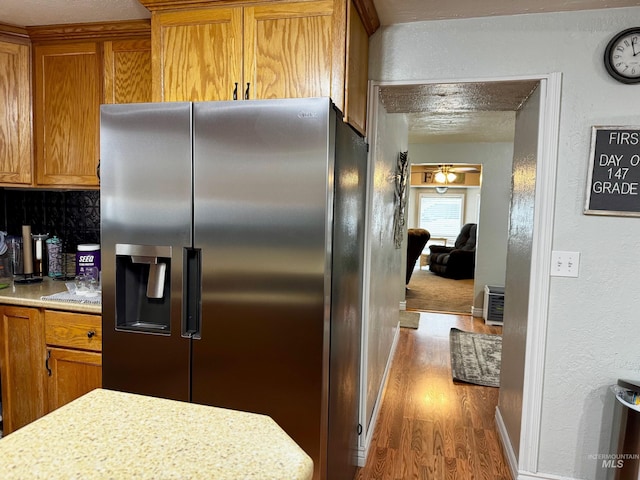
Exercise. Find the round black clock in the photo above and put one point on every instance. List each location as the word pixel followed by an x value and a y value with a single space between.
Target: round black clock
pixel 622 56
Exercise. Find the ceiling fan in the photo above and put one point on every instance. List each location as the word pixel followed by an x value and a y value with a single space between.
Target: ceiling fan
pixel 454 168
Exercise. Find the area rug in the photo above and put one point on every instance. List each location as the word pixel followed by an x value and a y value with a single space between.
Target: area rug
pixel 409 319
pixel 475 357
pixel 430 292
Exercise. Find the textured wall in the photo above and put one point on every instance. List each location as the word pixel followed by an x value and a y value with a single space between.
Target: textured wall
pixel 593 329
pixel 385 269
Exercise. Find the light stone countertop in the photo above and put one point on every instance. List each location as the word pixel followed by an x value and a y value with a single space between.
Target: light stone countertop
pixel 28 295
pixel 114 435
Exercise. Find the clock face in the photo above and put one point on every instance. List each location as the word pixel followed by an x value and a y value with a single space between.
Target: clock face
pixel 622 56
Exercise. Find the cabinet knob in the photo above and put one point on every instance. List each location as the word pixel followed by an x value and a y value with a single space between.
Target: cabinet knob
pixel 90 334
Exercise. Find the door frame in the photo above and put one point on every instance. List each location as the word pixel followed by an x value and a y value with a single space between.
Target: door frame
pixel 537 314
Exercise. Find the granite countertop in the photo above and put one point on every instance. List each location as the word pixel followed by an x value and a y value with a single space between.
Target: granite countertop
pixel 108 434
pixel 28 295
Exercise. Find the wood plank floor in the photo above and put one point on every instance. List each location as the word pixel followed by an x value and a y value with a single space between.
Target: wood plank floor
pixel 428 427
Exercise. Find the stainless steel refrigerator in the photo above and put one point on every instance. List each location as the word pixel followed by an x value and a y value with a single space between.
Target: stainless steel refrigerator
pixel 232 262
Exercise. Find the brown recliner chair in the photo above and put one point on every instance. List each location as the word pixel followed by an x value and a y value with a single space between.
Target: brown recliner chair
pixel 417 238
pixel 459 261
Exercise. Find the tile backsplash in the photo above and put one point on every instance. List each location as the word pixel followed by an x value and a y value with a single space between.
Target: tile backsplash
pixel 73 216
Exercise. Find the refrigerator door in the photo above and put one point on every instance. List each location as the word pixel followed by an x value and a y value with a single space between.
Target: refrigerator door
pixel 262 213
pixel 146 209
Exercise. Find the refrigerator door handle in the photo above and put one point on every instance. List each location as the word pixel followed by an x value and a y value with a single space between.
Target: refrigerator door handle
pixel 192 289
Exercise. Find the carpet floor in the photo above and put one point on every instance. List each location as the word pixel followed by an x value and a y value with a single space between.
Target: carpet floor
pixel 432 293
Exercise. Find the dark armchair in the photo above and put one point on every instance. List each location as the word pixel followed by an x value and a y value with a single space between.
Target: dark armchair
pixel 417 238
pixel 458 261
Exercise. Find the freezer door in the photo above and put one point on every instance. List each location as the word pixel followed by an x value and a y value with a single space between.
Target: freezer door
pixel 146 212
pixel 261 218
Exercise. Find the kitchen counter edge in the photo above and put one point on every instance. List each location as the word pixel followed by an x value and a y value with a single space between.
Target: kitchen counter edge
pixel 109 434
pixel 29 295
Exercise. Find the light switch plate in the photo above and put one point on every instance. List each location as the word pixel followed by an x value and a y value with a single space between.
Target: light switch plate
pixel 565 264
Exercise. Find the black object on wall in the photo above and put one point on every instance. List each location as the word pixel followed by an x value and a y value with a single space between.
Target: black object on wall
pixel 614 172
pixel 73 216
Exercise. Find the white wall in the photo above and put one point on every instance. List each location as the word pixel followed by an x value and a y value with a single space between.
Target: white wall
pixel 386 266
pixel 496 159
pixel 593 329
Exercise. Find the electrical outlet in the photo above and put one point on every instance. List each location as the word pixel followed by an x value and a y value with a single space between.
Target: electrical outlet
pixel 565 264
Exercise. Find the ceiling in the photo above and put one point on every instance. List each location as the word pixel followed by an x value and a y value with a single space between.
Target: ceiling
pixel 404 11
pixel 436 113
pixel 458 112
pixel 44 12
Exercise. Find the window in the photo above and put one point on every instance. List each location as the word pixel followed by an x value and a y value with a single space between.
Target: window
pixel 442 215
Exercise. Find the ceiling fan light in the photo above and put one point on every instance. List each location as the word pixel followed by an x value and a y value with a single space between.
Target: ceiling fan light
pixel 451 177
pixel 440 177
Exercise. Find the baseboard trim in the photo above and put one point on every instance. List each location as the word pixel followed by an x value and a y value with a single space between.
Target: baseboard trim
pixel 476 312
pixel 541 476
pixel 403 305
pixel 363 450
pixel 507 447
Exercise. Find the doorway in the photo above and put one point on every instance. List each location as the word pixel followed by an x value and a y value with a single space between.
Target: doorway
pixel 522 454
pixel 442 205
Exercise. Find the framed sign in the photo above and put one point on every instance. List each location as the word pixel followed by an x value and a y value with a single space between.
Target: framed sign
pixel 614 172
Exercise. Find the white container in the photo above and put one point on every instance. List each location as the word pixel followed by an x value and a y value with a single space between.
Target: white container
pixel 88 259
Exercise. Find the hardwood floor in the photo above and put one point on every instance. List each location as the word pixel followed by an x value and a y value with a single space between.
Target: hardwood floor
pixel 428 427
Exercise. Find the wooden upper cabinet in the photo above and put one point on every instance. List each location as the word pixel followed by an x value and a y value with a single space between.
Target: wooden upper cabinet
pixel 203 49
pixel 15 114
pixel 357 71
pixel 197 54
pixel 288 49
pixel 67 111
pixel 76 68
pixel 127 71
pixel 259 50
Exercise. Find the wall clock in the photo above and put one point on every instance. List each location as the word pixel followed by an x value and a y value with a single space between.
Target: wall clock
pixel 622 56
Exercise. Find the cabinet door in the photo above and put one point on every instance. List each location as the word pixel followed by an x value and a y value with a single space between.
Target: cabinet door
pixel 127 71
pixel 67 113
pixel 357 71
pixel 73 373
pixel 15 115
pixel 289 50
pixel 22 366
pixel 197 54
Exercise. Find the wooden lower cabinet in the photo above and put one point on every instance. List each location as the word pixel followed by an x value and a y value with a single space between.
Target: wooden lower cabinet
pixel 47 359
pixel 74 358
pixel 73 373
pixel 22 366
